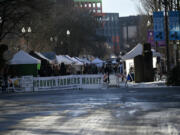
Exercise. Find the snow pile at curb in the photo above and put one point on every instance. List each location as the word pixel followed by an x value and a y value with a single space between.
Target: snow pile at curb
pixel 156 84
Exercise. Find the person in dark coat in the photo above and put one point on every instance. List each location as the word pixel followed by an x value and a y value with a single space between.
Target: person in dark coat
pixel 5 80
pixel 62 69
pixel 107 71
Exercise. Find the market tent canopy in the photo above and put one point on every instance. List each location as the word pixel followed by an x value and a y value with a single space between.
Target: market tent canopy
pixel 39 56
pixel 70 58
pixel 84 60
pixel 138 50
pixel 134 52
pixel 62 59
pixel 43 57
pixel 50 55
pixel 98 62
pixel 22 57
pixel 77 62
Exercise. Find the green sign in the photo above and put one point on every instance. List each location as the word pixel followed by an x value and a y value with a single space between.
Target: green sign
pixel 38 66
pixel 97 1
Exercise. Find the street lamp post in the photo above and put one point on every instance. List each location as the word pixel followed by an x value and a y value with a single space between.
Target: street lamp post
pixel 167 35
pixel 54 39
pixel 68 33
pixel 1 20
pixel 177 53
pixel 1 25
pixel 24 31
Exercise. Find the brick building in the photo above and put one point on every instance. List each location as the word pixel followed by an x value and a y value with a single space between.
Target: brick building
pixel 121 33
pixel 94 6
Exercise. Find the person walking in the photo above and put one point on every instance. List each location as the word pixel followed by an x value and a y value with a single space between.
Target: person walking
pixel 63 69
pixel 107 72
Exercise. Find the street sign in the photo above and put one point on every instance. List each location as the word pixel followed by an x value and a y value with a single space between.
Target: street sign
pixel 174 25
pixel 158 18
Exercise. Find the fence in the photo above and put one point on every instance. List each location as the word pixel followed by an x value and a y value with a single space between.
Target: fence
pixel 29 83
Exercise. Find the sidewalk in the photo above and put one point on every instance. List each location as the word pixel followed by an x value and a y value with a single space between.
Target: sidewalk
pixel 156 84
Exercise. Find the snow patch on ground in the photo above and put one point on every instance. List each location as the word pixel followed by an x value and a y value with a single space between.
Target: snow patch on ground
pixel 157 84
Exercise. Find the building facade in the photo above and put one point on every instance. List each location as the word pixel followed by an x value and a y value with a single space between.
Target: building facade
pixel 94 6
pixel 111 30
pixel 65 3
pixel 121 33
pixel 129 31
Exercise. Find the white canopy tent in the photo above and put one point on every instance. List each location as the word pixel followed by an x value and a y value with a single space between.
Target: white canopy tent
pixel 77 62
pixel 63 59
pixel 76 65
pixel 138 50
pixel 22 57
pixel 98 62
pixel 84 61
pixel 42 56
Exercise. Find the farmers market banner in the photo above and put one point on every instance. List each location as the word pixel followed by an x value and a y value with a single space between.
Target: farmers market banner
pixel 29 83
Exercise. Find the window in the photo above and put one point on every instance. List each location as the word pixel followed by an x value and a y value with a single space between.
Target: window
pixel 90 5
pixel 94 5
pixel 90 11
pixel 98 11
pixel 107 19
pixel 112 18
pixel 98 5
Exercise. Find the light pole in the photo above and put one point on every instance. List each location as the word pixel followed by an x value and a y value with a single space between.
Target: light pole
pixel 54 39
pixel 68 33
pixel 177 53
pixel 24 31
pixel 1 20
pixel 1 25
pixel 167 35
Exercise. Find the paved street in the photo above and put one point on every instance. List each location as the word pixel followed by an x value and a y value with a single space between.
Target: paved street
pixel 92 112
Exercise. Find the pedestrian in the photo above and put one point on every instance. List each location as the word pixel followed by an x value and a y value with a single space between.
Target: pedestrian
pixel 130 76
pixel 107 72
pixel 63 69
pixel 5 80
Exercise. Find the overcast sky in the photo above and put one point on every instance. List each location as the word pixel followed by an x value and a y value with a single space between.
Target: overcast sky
pixel 123 7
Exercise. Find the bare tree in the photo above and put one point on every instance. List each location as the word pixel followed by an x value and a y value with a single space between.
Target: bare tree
pixel 16 13
pixel 82 26
pixel 150 6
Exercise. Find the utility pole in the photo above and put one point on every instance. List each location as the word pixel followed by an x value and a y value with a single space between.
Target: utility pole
pixel 177 50
pixel 167 35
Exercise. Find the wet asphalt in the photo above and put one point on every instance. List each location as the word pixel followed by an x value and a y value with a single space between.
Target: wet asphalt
pixel 113 111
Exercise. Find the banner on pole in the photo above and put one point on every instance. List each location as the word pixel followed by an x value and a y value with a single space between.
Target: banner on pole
pixel 174 25
pixel 158 18
pixel 152 41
